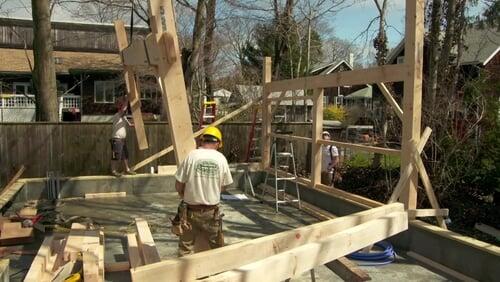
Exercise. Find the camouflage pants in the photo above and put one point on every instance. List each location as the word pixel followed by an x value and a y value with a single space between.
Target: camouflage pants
pixel 203 223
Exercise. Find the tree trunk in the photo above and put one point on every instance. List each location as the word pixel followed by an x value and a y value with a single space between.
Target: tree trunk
pixel 208 53
pixel 444 62
pixel 433 53
pixel 44 72
pixel 192 63
pixel 380 44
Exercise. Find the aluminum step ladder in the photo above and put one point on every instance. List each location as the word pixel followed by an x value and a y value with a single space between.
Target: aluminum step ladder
pixel 282 161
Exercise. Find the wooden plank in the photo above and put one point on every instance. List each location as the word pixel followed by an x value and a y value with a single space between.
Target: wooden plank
pixel 431 196
pixel 371 149
pixel 28 212
pixel 4 270
pixel 292 263
pixel 105 195
pixel 412 99
pixel 91 265
pixel 456 275
pixel 171 78
pixel 267 117
pixel 9 192
pixel 167 169
pixel 347 270
pixel 134 256
pixel 74 242
pixel 117 266
pixel 13 234
pixel 197 133
pixel 390 99
pixel 13 179
pixel 41 267
pixel 427 213
pixel 133 92
pixel 492 231
pixel 317 128
pixel 291 137
pixel 386 73
pixel 343 267
pixel 229 257
pixel 135 54
pixel 146 243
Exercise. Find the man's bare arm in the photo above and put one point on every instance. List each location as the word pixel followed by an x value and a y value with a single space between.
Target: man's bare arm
pixel 179 186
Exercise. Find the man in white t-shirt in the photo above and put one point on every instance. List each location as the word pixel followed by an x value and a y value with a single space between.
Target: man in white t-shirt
pixel 201 178
pixel 329 162
pixel 119 151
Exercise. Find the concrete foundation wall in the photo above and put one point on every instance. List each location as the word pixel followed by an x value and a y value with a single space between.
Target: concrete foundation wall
pixel 470 257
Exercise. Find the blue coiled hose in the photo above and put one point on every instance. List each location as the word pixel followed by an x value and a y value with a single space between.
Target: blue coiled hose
pixel 386 256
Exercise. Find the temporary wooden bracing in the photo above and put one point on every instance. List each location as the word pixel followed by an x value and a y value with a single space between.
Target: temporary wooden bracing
pixel 287 254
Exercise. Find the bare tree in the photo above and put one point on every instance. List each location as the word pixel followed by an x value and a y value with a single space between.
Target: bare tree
pixel 44 73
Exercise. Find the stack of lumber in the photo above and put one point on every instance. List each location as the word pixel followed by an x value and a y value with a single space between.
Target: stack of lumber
pixel 13 233
pixel 60 256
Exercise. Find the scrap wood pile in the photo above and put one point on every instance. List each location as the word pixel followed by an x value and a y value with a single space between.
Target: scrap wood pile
pixel 80 254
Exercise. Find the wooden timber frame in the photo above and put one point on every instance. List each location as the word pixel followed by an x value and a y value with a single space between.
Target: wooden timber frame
pixel 410 72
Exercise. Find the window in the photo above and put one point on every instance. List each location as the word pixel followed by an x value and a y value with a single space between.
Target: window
pixel 104 91
pixel 22 88
pixel 325 101
pixel 149 93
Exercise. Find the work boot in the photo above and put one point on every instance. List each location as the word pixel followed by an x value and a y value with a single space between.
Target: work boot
pixel 116 173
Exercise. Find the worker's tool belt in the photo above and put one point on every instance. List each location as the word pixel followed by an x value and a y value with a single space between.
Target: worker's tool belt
pixel 202 208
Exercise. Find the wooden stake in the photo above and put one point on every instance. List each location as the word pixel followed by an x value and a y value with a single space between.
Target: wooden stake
pixel 317 128
pixel 266 114
pixel 390 99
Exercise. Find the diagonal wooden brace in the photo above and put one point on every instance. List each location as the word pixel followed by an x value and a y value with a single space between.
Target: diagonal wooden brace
pixel 418 163
pixel 132 89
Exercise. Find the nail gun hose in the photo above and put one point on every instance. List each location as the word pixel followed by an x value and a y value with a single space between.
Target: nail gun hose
pixel 386 256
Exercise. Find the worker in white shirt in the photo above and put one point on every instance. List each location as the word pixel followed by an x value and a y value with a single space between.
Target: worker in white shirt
pixel 119 139
pixel 201 178
pixel 330 160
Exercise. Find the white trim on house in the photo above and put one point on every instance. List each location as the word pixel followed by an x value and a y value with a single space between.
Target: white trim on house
pixel 26 86
pixel 491 56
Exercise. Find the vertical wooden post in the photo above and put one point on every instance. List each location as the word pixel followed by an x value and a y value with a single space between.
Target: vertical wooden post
pixel 266 114
pixel 132 88
pixel 171 78
pixel 412 100
pixel 317 128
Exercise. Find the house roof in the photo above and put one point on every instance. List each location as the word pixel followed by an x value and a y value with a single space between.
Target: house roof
pixel 329 68
pixel 481 45
pixel 14 61
pixel 363 93
pixel 252 92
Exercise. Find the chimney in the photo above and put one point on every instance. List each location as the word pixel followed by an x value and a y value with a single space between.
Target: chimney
pixel 351 60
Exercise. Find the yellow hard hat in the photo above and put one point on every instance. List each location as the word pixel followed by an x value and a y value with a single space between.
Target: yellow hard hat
pixel 215 132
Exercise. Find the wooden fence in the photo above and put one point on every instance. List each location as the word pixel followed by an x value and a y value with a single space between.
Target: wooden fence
pixel 83 148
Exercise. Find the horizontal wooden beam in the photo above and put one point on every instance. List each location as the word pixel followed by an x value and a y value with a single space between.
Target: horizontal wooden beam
pixel 290 98
pixel 291 137
pixel 230 257
pixel 427 212
pixel 371 149
pixel 292 263
pixel 386 73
